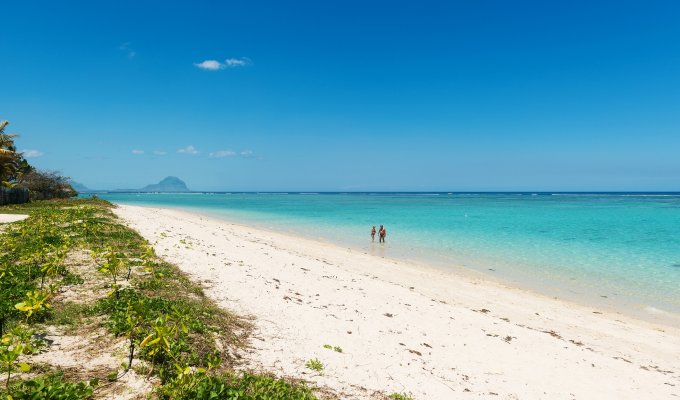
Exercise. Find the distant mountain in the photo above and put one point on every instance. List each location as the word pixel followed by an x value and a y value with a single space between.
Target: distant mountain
pixel 80 188
pixel 171 184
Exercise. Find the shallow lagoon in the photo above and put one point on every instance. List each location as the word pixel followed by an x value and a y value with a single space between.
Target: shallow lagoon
pixel 622 249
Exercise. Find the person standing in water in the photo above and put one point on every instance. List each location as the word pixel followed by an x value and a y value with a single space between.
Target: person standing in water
pixel 373 234
pixel 382 233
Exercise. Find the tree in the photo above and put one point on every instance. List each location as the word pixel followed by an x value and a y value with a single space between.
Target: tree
pixel 16 171
pixel 9 158
pixel 46 185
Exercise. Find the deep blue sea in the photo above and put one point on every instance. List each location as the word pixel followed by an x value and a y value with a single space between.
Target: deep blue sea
pixel 617 249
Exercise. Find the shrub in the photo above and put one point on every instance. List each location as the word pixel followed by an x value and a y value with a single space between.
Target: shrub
pixel 46 185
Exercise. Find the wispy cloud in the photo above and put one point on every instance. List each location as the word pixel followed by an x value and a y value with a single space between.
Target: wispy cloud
pixel 129 51
pixel 160 152
pixel 237 62
pixel 231 153
pixel 32 153
pixel 188 150
pixel 214 65
pixel 222 153
pixel 137 152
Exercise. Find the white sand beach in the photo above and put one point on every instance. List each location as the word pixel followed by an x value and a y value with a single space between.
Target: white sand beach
pixel 409 328
pixel 8 218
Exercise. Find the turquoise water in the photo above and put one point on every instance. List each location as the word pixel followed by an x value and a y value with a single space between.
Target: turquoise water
pixel 612 248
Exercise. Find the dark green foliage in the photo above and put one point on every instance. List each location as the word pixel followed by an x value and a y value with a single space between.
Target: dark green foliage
pixel 10 159
pixel 149 308
pixel 228 387
pixel 185 323
pixel 69 314
pixel 45 185
pixel 51 387
pixel 70 278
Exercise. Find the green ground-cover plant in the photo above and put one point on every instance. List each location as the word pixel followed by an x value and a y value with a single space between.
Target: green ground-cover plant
pixel 202 386
pixel 111 266
pixel 10 351
pixel 69 315
pixel 166 318
pixel 401 396
pixel 51 387
pixel 29 249
pixel 14 345
pixel 336 349
pixel 315 365
pixel 35 302
pixel 31 269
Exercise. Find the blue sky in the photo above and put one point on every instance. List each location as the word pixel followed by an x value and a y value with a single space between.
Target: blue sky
pixel 326 95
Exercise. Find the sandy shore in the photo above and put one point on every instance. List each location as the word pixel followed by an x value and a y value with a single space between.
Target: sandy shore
pixel 407 328
pixel 6 218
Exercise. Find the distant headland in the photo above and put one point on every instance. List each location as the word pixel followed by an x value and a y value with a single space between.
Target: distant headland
pixel 170 184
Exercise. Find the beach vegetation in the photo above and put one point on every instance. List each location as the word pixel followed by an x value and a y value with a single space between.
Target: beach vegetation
pixel 173 333
pixel 14 346
pixel 336 349
pixel 44 185
pixel 231 386
pixel 51 386
pixel 69 315
pixel 315 365
pixel 9 157
pixel 35 302
pixel 13 165
pixel 401 396
pixel 10 351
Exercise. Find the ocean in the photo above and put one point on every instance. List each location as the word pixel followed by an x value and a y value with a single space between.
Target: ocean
pixel 618 250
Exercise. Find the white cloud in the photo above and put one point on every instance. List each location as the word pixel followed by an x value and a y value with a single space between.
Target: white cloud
pixel 247 153
pixel 210 65
pixel 214 65
pixel 160 152
pixel 222 153
pixel 131 53
pixel 137 152
pixel 237 62
pixel 188 150
pixel 32 153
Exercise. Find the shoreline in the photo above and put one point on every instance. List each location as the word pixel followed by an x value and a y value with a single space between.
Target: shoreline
pixel 643 313
pixel 408 329
pixel 569 292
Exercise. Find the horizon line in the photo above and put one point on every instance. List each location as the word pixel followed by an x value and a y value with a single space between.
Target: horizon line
pixel 538 192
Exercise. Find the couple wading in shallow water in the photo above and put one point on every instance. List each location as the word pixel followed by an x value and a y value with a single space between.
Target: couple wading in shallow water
pixel 382 233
